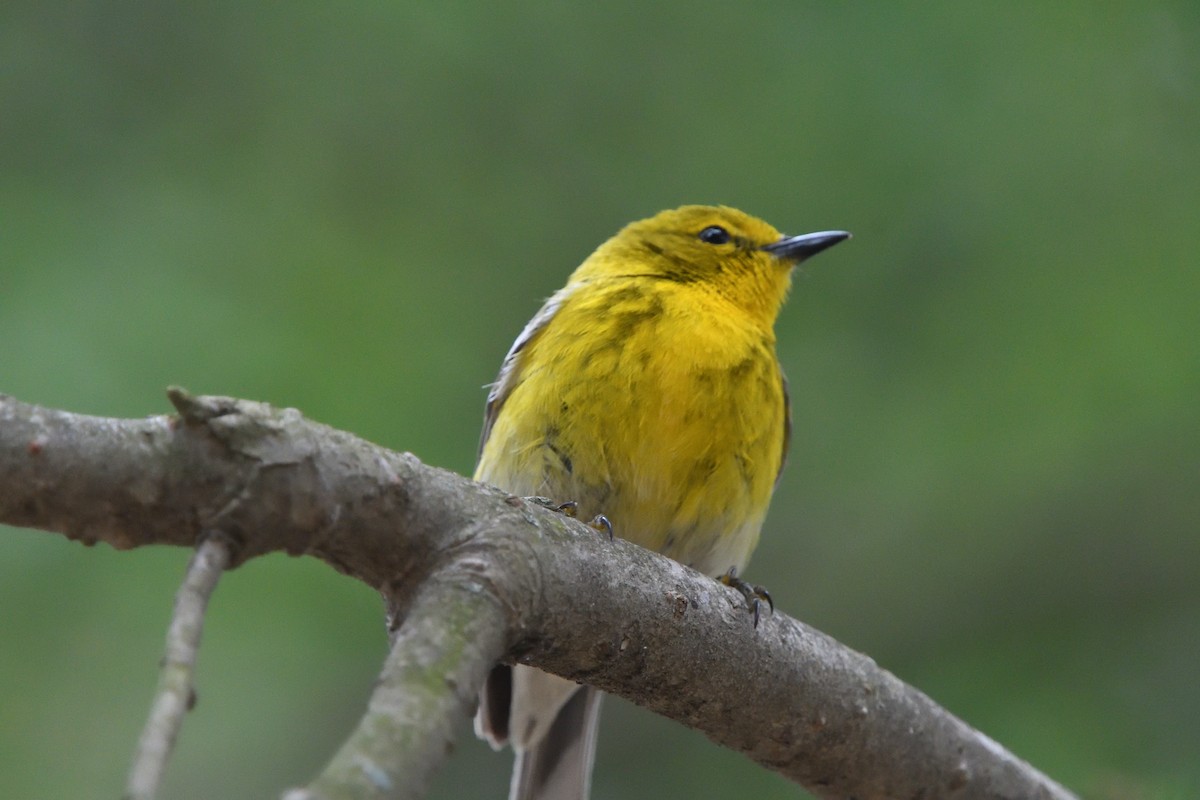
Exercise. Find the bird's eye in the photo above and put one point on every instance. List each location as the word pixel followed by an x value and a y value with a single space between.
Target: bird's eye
pixel 714 234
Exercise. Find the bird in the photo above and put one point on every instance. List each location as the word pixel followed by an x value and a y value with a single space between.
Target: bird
pixel 648 395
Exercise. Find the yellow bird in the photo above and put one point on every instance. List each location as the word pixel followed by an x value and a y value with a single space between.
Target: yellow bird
pixel 647 389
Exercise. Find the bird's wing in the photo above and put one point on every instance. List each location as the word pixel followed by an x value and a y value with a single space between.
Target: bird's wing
pixel 787 424
pixel 510 370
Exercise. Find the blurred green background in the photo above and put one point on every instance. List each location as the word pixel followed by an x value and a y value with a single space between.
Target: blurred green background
pixel 993 486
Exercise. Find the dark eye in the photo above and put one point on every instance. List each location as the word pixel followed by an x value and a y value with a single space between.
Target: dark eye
pixel 714 234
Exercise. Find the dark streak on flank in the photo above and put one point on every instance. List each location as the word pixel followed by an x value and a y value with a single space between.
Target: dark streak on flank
pixel 626 322
pixel 742 369
pixel 701 471
pixel 628 309
pixel 743 465
pixel 563 458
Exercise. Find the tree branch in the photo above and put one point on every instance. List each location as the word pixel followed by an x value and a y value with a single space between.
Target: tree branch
pixel 450 638
pixel 439 546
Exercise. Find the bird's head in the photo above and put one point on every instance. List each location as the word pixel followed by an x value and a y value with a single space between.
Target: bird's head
pixel 719 249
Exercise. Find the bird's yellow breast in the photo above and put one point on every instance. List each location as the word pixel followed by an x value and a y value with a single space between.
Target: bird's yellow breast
pixel 657 403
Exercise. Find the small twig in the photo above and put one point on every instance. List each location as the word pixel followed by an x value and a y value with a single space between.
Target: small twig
pixel 176 695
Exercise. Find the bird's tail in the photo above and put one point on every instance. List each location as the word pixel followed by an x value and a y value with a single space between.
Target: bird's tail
pixel 559 767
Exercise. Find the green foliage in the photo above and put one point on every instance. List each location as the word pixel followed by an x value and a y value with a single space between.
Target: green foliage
pixel 353 209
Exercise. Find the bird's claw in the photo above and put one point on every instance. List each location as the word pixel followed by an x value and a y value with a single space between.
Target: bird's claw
pixel 570 509
pixel 602 524
pixel 753 593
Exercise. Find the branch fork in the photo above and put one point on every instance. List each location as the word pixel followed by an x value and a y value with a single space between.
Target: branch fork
pixel 472 575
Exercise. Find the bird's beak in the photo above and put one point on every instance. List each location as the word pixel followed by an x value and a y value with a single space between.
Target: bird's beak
pixel 806 245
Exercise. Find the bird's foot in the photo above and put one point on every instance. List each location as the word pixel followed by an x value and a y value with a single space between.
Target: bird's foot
pixel 570 509
pixel 753 593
